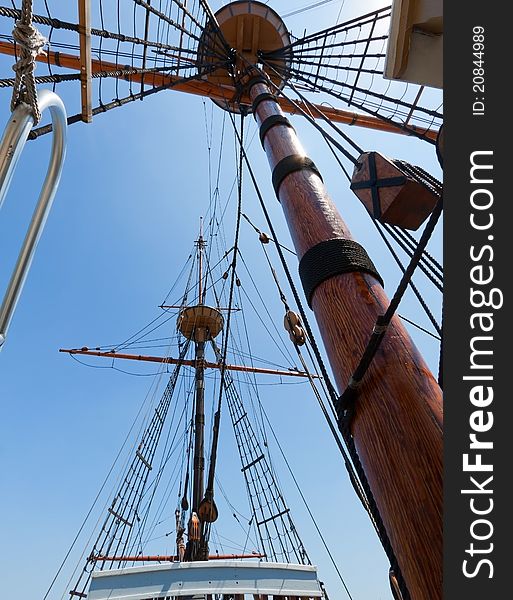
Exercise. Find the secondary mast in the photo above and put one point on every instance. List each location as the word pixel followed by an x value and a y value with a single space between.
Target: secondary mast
pixel 200 324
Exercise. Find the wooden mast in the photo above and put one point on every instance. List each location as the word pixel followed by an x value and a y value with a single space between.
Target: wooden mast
pixel 200 335
pixel 397 426
pixel 199 323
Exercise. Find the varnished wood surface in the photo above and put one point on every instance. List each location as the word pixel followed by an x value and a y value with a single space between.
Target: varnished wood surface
pixel 84 20
pixel 398 423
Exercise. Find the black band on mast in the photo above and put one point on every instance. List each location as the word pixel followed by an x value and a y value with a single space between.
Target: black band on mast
pixel 271 122
pixel 260 98
pixel 290 164
pixel 330 258
pixel 254 80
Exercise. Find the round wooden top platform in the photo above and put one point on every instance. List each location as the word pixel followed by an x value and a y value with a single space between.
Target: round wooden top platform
pixel 249 28
pixel 200 323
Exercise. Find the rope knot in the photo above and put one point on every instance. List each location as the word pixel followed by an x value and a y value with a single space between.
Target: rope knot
pixel 29 38
pixel 31 43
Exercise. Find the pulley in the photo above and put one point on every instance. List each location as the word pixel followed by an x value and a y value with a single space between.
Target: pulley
pixel 293 325
pixel 207 510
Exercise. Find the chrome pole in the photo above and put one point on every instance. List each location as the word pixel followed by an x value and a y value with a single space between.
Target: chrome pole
pixel 11 147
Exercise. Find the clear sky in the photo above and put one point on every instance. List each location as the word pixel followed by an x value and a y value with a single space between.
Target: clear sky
pixel 134 186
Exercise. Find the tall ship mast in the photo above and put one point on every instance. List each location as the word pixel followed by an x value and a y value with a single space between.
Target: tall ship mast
pixel 380 403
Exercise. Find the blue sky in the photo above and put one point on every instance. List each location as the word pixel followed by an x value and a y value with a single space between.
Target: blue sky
pixel 124 219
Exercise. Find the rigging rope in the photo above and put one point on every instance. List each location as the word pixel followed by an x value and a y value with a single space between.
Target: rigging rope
pixel 349 467
pixel 411 129
pixel 273 524
pixel 345 152
pixel 124 510
pixel 345 404
pixel 118 102
pixel 277 533
pixel 209 493
pixel 307 506
pixel 306 8
pixel 410 282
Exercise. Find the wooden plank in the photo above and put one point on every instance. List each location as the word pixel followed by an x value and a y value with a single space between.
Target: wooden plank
pixel 240 31
pixel 86 71
pixel 256 36
pixel 146 33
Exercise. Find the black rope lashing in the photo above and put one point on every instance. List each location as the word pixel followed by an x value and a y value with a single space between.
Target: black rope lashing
pixel 330 258
pixel 291 164
pixel 311 120
pixel 271 122
pixel 261 98
pixel 254 80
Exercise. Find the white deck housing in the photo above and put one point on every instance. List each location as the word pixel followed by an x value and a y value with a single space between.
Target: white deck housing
pixel 205 577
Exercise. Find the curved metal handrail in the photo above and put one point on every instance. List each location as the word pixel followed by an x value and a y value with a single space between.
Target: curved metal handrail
pixel 12 144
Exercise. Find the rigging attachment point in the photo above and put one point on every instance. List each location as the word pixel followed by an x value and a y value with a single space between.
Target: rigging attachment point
pixel 250 28
pixel 292 323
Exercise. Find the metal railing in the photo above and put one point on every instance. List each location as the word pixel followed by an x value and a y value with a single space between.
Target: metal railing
pixel 12 144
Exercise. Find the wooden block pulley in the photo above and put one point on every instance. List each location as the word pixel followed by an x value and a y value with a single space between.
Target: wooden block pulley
pixel 390 193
